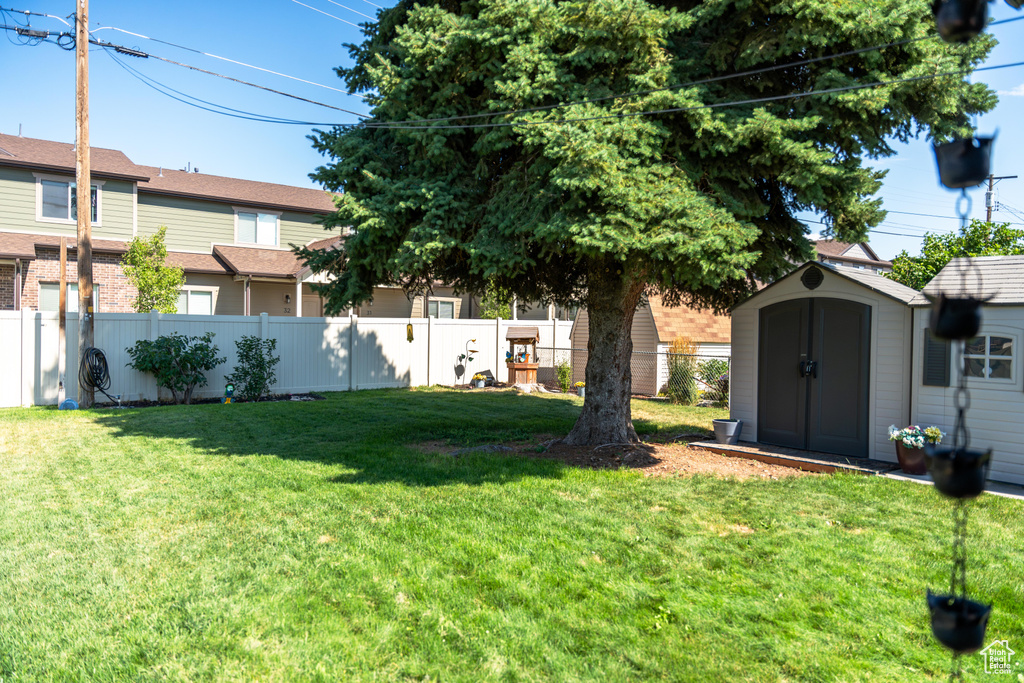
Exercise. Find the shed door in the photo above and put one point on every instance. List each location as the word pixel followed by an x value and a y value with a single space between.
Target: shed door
pixel 813 375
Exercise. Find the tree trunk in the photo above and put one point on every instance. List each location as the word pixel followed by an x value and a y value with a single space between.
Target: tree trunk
pixel 611 301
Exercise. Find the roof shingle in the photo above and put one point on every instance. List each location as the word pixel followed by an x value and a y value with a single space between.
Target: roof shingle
pixel 699 325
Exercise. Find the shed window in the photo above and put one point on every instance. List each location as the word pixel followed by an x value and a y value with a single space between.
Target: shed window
pixel 989 357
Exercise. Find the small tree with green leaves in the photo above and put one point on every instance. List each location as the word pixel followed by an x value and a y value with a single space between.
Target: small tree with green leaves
pixel 145 266
pixel 254 374
pixel 178 362
pixel 977 239
pixel 497 302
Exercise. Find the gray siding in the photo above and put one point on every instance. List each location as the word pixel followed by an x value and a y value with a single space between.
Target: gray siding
pixel 994 417
pixel 889 379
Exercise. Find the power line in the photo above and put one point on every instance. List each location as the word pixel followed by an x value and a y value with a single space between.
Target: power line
pixel 139 53
pixel 220 109
pixel 677 86
pixel 226 59
pixel 715 105
pixel 345 21
pixel 373 19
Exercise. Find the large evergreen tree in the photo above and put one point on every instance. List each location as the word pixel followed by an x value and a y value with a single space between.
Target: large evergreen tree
pixel 596 202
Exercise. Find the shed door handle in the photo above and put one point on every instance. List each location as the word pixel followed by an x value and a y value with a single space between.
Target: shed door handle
pixel 809 367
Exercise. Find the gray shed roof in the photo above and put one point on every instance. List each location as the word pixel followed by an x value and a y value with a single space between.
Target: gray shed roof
pixel 879 283
pixel 999 279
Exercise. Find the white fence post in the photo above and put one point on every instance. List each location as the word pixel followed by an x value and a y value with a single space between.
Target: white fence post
pixel 430 336
pixel 353 323
pixel 497 350
pixel 25 359
pixel 264 325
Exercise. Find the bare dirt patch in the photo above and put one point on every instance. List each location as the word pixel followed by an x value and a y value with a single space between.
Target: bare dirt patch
pixel 653 459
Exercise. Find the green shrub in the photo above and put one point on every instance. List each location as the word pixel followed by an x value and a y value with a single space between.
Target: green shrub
pixel 563 370
pixel 178 363
pixel 682 372
pixel 714 373
pixel 254 374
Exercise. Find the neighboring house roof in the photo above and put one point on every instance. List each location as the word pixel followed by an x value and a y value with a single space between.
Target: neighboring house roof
pixel 234 190
pixel 997 279
pixel 198 263
pixel 60 156
pixel 839 250
pixel 683 321
pixel 257 262
pixel 23 246
pixel 866 278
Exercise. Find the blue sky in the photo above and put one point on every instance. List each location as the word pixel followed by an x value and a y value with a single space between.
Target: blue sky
pixel 293 38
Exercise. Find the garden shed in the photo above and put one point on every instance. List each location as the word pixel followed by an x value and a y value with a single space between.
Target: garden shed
pixel 821 361
pixel 991 361
pixel 655 327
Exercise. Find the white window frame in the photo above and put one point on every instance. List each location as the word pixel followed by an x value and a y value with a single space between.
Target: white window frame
pixel 453 300
pixel 213 290
pixel 1015 359
pixel 258 213
pixel 72 220
pixel 67 286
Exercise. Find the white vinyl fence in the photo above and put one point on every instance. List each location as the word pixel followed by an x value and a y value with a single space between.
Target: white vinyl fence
pixel 317 354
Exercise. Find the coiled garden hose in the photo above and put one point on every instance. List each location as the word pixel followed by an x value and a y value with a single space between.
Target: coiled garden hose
pixel 93 373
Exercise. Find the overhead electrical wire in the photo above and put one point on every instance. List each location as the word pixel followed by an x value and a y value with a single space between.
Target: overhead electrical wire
pixel 346 21
pixel 689 84
pixel 220 108
pixel 714 105
pixel 226 59
pixel 374 19
pixel 141 54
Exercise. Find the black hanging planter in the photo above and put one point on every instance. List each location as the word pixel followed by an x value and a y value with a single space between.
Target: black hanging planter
pixel 958 472
pixel 958 623
pixel 957 21
pixel 964 163
pixel 955 318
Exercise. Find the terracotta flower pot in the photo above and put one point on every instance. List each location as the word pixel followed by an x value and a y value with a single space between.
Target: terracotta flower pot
pixel 911 459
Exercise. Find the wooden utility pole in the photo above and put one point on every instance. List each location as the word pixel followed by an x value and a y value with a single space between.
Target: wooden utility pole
pixel 83 179
pixel 62 323
pixel 990 196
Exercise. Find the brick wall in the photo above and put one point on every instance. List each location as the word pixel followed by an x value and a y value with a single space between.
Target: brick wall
pixel 116 294
pixel 6 288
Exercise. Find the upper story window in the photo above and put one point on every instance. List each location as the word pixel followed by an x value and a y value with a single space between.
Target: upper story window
pixel 989 356
pixel 256 228
pixel 57 200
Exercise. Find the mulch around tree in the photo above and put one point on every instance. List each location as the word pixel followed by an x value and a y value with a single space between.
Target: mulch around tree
pixel 652 458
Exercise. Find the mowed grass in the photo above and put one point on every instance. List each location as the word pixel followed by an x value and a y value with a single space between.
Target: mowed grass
pixel 314 541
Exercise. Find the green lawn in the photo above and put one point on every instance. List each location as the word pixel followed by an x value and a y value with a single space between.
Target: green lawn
pixel 313 541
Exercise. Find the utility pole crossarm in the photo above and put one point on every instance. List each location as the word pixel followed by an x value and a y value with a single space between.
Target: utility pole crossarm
pixel 990 196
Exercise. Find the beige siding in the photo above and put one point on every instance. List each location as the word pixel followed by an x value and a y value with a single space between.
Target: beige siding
pixel 18 206
pixel 268 297
pixel 994 416
pixel 889 377
pixel 230 295
pixel 387 303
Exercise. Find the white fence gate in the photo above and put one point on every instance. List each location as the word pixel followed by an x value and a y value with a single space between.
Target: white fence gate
pixel 317 354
